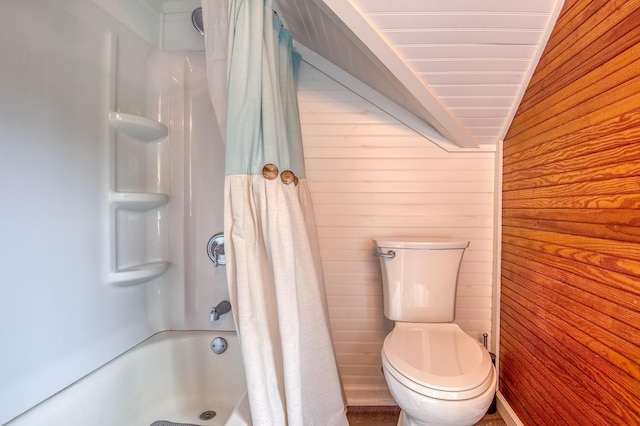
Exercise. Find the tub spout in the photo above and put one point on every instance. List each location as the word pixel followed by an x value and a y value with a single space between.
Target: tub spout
pixel 219 310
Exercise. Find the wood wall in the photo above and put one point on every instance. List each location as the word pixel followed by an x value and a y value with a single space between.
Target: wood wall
pixel 371 176
pixel 570 299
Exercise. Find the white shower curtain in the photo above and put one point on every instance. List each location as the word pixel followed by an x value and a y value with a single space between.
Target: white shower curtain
pixel 273 265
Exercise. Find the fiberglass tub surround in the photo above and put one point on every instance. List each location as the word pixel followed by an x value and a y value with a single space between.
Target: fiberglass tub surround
pixel 124 133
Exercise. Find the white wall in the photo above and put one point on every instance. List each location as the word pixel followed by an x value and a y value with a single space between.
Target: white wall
pixel 371 176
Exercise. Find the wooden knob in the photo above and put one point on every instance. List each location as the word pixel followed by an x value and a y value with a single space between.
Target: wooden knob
pixel 287 177
pixel 270 171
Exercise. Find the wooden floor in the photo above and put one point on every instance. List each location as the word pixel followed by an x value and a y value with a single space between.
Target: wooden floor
pixel 388 416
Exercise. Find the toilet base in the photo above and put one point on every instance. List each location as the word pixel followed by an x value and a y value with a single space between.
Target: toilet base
pixel 419 410
pixel 406 420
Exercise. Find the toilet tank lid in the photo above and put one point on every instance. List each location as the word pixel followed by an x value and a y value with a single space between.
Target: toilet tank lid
pixel 423 243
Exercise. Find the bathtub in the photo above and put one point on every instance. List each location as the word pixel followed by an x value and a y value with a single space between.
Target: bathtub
pixel 173 376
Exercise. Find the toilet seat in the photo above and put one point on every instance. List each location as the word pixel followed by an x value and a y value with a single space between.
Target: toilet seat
pixel 437 360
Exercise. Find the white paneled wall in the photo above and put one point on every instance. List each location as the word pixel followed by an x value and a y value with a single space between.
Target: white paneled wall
pixel 371 176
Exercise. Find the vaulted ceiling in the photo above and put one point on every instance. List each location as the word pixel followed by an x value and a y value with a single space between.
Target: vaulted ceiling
pixel 462 66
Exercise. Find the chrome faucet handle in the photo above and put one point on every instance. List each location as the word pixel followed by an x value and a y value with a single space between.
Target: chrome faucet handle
pixel 215 250
pixel 214 259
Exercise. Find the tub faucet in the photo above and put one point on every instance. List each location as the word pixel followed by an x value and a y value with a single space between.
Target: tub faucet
pixel 219 310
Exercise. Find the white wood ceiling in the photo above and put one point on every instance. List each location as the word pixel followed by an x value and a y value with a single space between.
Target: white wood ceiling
pixel 460 65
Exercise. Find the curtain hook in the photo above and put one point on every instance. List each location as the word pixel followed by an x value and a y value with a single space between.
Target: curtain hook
pixel 276 15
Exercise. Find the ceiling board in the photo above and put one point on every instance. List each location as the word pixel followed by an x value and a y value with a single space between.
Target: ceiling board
pixel 460 65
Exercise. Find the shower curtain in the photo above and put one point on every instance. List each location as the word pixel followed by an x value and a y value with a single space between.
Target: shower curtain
pixel 273 266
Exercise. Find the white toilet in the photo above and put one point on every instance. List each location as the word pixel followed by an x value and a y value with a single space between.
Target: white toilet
pixel 437 374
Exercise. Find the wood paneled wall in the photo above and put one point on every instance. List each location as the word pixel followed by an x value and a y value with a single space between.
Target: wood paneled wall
pixel 570 298
pixel 371 176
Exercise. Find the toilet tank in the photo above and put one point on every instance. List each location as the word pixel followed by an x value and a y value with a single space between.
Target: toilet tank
pixel 420 277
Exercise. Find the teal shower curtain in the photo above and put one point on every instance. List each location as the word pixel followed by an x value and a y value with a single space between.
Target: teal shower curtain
pixel 273 265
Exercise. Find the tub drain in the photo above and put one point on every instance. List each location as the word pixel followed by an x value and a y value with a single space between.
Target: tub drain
pixel 207 415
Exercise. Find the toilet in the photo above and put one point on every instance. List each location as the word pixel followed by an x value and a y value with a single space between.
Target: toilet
pixel 437 374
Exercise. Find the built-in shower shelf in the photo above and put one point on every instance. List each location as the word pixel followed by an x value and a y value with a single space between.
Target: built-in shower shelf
pixel 137 201
pixel 139 273
pixel 141 128
pixel 136 232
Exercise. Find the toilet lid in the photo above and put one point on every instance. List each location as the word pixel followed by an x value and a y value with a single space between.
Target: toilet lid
pixel 421 243
pixel 438 356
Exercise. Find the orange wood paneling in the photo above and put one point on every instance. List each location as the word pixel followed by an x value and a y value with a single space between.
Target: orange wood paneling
pixel 609 134
pixel 570 287
pixel 603 36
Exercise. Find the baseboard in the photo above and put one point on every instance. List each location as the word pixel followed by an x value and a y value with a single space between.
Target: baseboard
pixel 363 395
pixel 506 412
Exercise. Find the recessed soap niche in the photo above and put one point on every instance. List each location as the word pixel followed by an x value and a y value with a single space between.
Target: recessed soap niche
pixel 138 226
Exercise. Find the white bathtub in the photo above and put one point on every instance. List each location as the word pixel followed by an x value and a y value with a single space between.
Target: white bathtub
pixel 172 376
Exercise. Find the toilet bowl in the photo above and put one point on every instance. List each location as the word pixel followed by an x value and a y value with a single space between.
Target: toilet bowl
pixel 437 374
